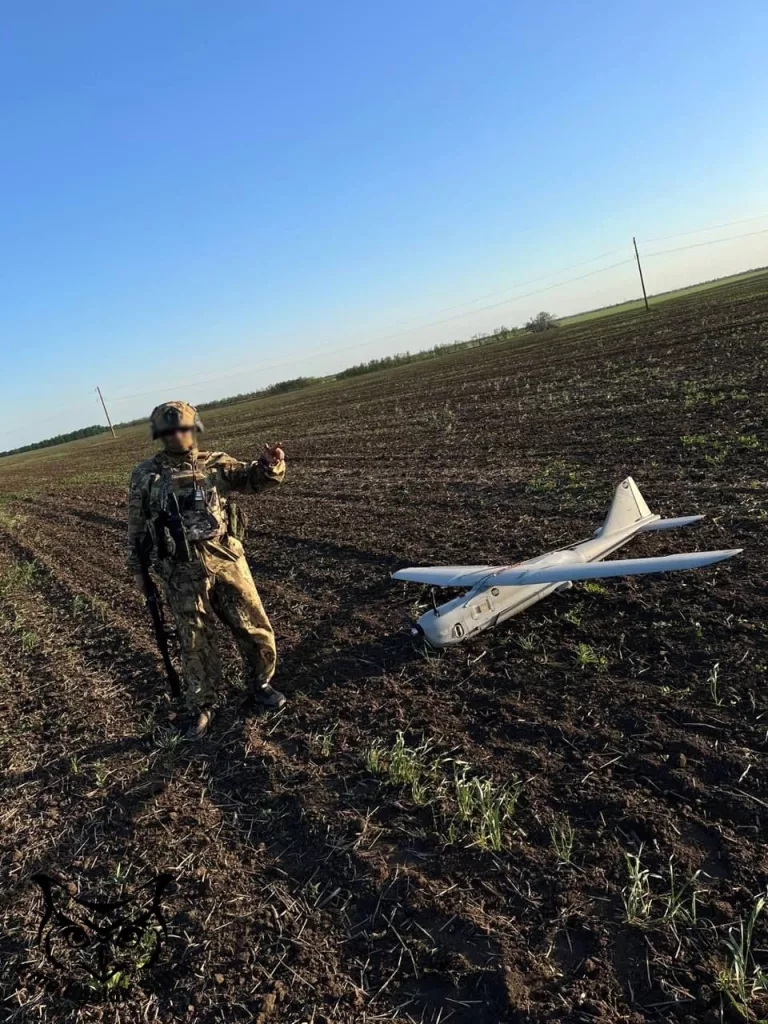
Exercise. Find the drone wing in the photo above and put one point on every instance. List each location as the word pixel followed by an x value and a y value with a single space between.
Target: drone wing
pixel 447 575
pixel 598 570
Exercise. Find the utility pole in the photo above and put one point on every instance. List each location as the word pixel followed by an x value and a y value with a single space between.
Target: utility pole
pixel 642 282
pixel 104 406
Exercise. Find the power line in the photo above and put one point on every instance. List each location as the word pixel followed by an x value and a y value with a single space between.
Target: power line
pixel 534 280
pixel 437 323
pixel 375 341
pixel 525 295
pixel 387 337
pixel 48 419
pixel 712 241
pixel 604 255
pixel 698 231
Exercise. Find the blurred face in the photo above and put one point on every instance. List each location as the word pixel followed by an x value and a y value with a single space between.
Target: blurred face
pixel 179 440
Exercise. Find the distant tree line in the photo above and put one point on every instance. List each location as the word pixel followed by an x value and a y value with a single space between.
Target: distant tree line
pixel 73 435
pixel 274 389
pixel 401 358
pixel 246 396
pixel 542 322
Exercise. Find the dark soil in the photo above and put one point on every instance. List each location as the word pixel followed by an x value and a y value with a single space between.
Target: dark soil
pixel 309 889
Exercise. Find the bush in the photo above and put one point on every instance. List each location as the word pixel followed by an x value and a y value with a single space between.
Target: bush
pixel 541 322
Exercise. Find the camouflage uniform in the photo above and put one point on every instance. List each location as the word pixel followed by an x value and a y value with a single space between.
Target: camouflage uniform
pixel 216 580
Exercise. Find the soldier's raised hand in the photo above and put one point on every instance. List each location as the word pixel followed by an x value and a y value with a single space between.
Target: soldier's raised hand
pixel 272 455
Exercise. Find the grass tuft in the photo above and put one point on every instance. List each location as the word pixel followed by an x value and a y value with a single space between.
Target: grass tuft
pixel 637 897
pixel 562 835
pixel 20 574
pixel 465 804
pixel 712 679
pixel 586 655
pixel 743 978
pixel 593 587
pixel 673 905
pixel 321 743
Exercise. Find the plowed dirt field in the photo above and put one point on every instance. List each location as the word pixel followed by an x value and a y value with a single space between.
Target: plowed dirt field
pixel 563 820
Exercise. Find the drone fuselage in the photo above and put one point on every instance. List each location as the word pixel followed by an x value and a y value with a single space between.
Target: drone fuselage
pixel 494 593
pixel 486 605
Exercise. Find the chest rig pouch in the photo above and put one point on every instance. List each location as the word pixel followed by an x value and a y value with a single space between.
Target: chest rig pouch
pixel 166 526
pixel 186 508
pixel 201 512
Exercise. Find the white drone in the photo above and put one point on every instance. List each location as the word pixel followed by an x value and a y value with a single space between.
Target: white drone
pixel 497 592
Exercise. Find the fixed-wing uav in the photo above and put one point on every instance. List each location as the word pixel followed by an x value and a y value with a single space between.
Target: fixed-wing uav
pixel 497 592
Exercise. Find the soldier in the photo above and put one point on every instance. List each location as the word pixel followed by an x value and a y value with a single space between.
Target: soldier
pixel 181 514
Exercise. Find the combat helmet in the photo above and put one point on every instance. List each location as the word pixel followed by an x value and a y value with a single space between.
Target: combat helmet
pixel 172 416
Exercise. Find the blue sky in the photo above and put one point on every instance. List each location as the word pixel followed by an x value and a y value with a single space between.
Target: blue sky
pixel 242 192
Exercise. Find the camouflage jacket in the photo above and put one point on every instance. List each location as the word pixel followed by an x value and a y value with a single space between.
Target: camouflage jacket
pixel 200 483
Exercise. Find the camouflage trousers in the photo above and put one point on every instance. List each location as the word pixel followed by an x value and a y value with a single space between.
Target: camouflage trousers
pixel 218 584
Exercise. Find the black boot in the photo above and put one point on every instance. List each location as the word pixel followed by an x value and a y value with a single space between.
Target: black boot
pixel 268 697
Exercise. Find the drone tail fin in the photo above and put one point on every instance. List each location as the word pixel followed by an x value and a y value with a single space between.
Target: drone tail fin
pixel 627 508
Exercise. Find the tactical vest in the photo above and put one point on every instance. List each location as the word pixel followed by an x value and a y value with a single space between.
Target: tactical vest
pixel 185 507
